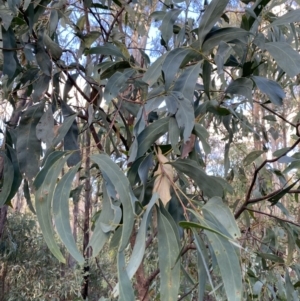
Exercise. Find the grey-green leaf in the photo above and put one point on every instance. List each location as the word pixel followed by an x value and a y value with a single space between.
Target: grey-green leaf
pixel 99 237
pixel 168 252
pixel 252 157
pixel 290 17
pixel 9 56
pixel 207 184
pixel 212 14
pixel 8 177
pixel 226 34
pixel 154 71
pixel 106 49
pixel 186 82
pixel 271 88
pixel 241 86
pixel 122 187
pixel 45 127
pixel 125 289
pixel 168 21
pixel 28 145
pixel 42 57
pixel 46 181
pixel 150 134
pixel 221 212
pixel 116 83
pixel 172 63
pixel 61 213
pixel 286 57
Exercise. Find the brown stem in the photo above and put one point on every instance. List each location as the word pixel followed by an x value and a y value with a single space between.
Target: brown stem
pixel 273 216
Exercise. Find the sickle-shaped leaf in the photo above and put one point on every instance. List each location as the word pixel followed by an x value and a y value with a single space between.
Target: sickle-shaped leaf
pixel 45 183
pixel 290 17
pixel 9 56
pixel 172 63
pixel 8 177
pixel 210 17
pixel 154 71
pixel 225 35
pixel 150 134
pixel 100 237
pixel 207 184
pixel 61 213
pixel 106 49
pixel 116 83
pixel 140 244
pixel 28 146
pixel 186 82
pixel 126 290
pixel 241 86
pixel 168 252
pixel 286 57
pixel 168 21
pixel 122 187
pixel 271 88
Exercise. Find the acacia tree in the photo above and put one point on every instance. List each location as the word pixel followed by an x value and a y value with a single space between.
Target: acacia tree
pixel 149 125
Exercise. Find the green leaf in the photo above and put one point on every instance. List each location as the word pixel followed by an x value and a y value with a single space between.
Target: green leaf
pixel 61 213
pixel 174 134
pixel 54 18
pixel 45 183
pixel 90 38
pixel 113 68
pixel 271 257
pixel 168 252
pixel 71 137
pixel 290 17
pixel 202 226
pixel 6 16
pixel 42 58
pixel 186 82
pixel 168 21
pixel 150 134
pixel 212 14
pixel 40 87
pixel 154 71
pixel 271 88
pixel 28 197
pixel 54 50
pixel 63 129
pixel 111 171
pixel 100 237
pixel 116 83
pixel 126 290
pixel 8 177
pixel 45 128
pixel 201 132
pixel 28 146
pixel 9 56
pixel 206 75
pixel 241 86
pixel 274 199
pixel 229 265
pixel 222 56
pixel 281 151
pixel 171 64
pixel 207 184
pixel 185 116
pixel 252 157
pixel 286 57
pixel 17 176
pixel 107 49
pixel 216 207
pixel 226 34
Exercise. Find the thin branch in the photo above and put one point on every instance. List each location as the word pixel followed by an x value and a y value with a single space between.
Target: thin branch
pixel 248 195
pixel 273 216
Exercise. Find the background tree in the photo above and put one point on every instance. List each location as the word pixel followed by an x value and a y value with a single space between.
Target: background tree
pixel 185 162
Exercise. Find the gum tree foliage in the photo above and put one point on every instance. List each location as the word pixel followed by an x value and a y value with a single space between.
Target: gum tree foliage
pixel 149 124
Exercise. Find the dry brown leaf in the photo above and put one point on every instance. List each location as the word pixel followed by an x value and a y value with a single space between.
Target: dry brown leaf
pixel 163 175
